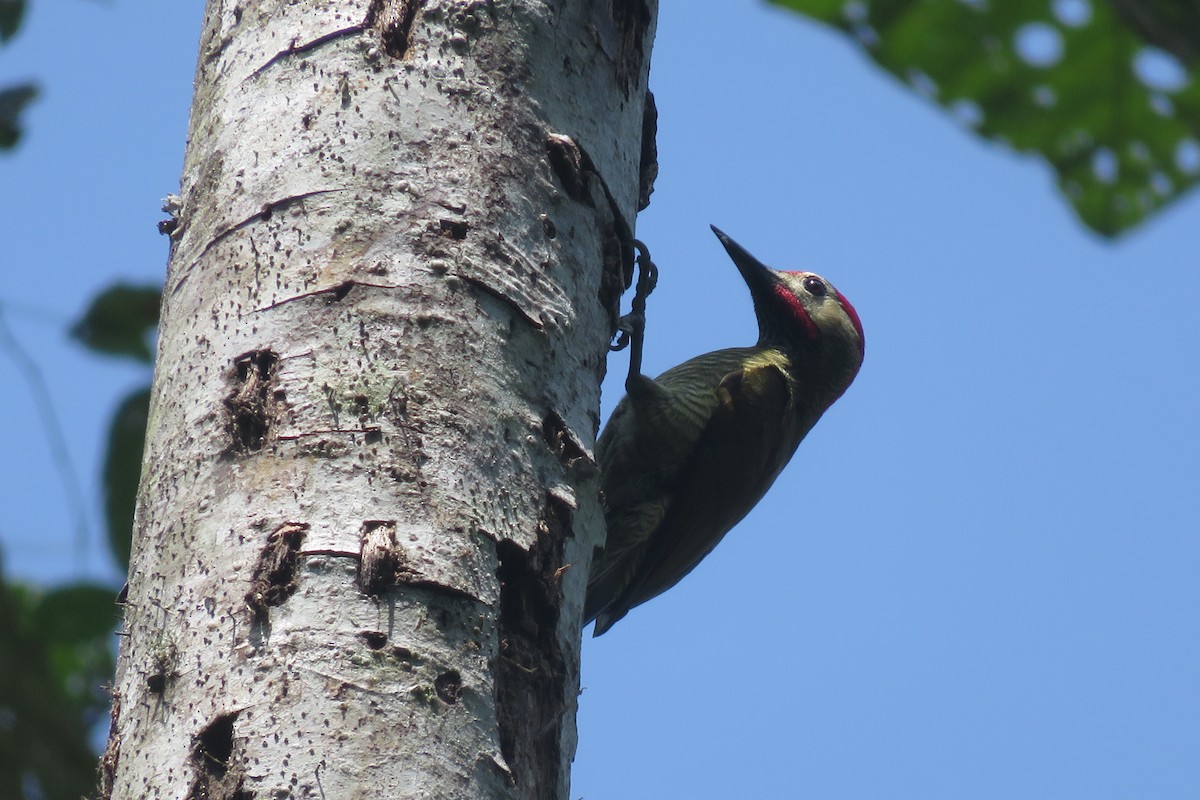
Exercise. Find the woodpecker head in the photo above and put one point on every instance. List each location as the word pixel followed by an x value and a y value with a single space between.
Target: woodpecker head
pixel 802 313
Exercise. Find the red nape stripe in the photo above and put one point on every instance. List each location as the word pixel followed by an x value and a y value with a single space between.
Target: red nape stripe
pixel 800 314
pixel 853 315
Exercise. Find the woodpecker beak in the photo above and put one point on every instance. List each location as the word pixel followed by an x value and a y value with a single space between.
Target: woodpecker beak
pixel 757 275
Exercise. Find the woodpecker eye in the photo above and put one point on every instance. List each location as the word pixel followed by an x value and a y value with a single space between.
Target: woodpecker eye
pixel 815 286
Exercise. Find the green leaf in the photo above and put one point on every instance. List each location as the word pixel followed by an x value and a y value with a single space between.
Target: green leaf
pixel 76 614
pixel 11 14
pixel 120 321
pixel 1116 118
pixel 123 469
pixel 47 707
pixel 13 101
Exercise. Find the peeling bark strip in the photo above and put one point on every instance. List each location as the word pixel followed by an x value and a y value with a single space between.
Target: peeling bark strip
pixel 632 17
pixel 648 164
pixel 274 577
pixel 579 178
pixel 218 776
pixel 531 668
pixel 250 402
pixel 572 167
pixel 110 759
pixel 379 559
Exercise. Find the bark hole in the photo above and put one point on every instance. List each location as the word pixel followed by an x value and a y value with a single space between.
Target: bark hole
pixel 212 758
pixel 396 26
pixel 531 672
pixel 374 639
pixel 379 559
pixel 448 686
pixel 214 746
pixel 274 578
pixel 252 400
pixel 454 228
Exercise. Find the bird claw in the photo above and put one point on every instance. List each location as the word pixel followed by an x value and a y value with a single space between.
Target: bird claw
pixel 629 327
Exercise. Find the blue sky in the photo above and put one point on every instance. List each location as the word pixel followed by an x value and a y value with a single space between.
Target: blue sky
pixel 978 578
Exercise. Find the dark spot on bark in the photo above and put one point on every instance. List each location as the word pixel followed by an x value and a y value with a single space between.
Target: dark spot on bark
pixel 531 672
pixel 164 661
pixel 563 444
pixel 250 402
pixel 454 229
pixel 218 776
pixel 274 578
pixel 380 557
pixel 374 639
pixel 342 289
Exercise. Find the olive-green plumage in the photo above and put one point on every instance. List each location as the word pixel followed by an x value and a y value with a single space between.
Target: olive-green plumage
pixel 687 454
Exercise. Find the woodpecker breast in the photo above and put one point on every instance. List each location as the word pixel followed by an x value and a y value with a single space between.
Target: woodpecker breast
pixel 686 455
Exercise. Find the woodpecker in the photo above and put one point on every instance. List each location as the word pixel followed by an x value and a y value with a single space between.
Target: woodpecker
pixel 686 455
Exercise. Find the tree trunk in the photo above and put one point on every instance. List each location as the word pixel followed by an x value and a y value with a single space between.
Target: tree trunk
pixel 368 498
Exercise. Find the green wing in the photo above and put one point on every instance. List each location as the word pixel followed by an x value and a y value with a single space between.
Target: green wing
pixel 710 439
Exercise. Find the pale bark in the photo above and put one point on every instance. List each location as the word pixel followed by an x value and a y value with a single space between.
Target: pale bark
pixel 368 498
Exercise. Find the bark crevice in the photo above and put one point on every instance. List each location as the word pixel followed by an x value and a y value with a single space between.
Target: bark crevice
pixel 304 47
pixel 531 672
pixel 110 759
pixel 396 20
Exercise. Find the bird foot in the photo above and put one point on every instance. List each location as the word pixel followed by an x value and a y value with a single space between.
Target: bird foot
pixel 631 327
